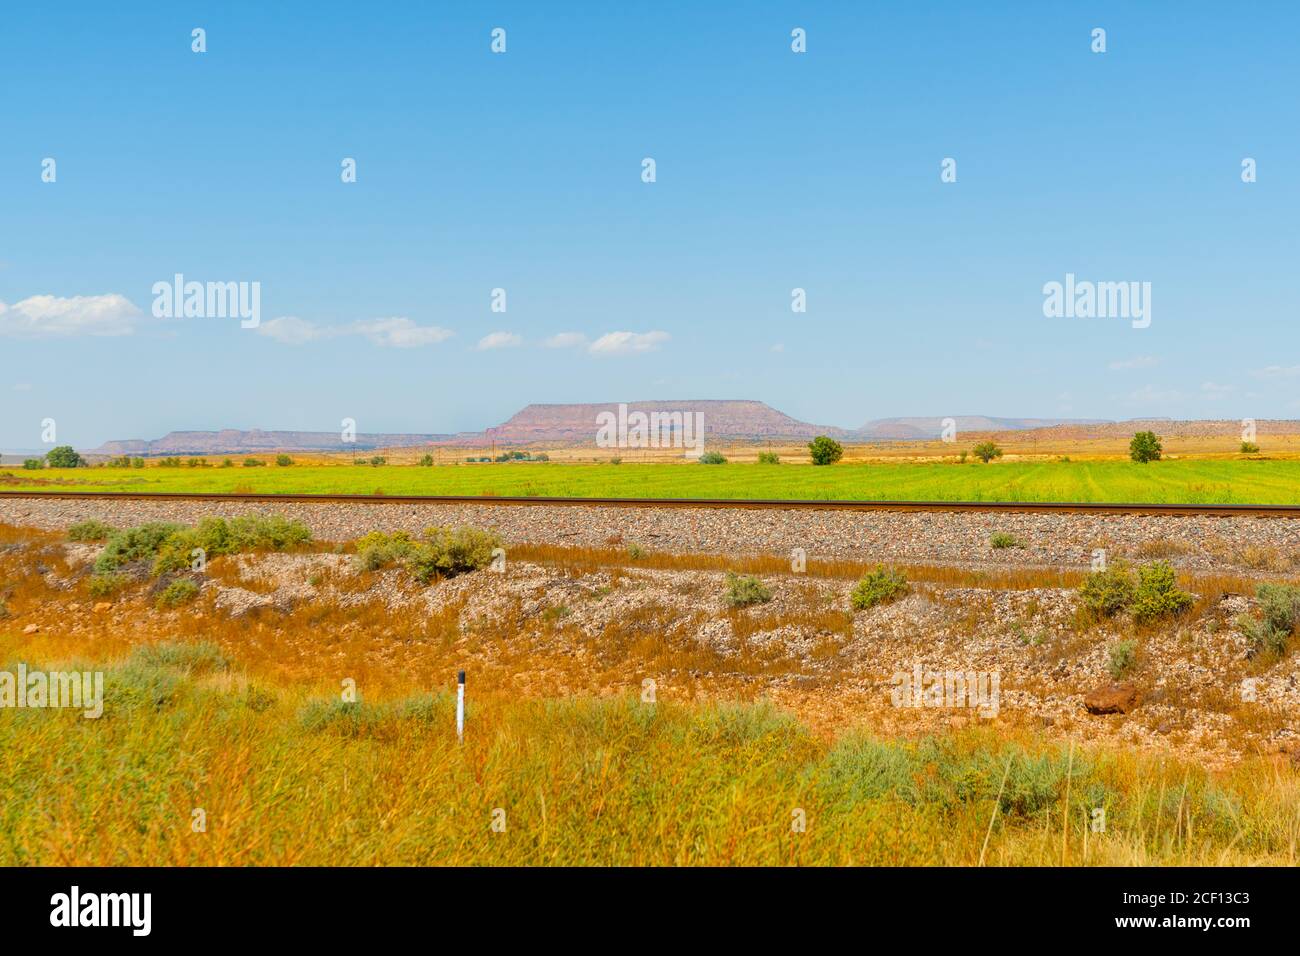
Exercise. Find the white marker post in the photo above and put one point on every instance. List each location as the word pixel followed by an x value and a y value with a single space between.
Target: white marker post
pixel 460 707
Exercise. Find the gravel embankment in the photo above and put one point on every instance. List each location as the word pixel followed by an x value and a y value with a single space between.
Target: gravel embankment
pixel 1195 543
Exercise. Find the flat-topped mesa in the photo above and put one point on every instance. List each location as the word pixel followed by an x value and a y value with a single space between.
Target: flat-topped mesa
pixel 579 423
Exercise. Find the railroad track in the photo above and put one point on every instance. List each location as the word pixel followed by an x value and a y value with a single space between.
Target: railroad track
pixel 780 504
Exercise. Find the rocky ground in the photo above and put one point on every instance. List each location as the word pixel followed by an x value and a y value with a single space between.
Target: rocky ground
pixel 1265 545
pixel 547 631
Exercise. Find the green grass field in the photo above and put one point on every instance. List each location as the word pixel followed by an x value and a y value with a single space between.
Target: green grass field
pixel 1189 481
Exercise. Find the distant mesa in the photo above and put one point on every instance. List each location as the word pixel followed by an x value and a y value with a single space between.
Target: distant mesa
pixel 922 429
pixel 232 441
pixel 576 424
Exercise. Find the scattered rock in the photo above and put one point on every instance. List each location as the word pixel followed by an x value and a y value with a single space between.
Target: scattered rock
pixel 102 606
pixel 31 629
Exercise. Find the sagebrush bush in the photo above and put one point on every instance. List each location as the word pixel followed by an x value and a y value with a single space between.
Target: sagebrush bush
pixel 89 530
pixel 446 551
pixel 1157 593
pixel 134 544
pixel 1108 592
pixel 769 458
pixel 1120 657
pixel 713 458
pixel 878 587
pixel 1001 539
pixel 106 585
pixel 744 591
pixel 217 536
pixel 379 549
pixel 1279 606
pixel 181 591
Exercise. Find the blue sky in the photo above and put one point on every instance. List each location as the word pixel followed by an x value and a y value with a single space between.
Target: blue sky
pixel 522 171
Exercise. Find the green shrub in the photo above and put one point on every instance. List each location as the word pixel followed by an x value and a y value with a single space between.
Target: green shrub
pixel 1144 447
pixel 1001 539
pixel 446 552
pixel 227 463
pixel 744 591
pixel 1157 593
pixel 1249 448
pixel 426 461
pixel 616 460
pixel 378 460
pixel 1120 657
pixel 106 585
pixel 379 549
pixel 89 530
pixel 180 591
pixel 825 451
pixel 266 533
pixel 134 544
pixel 33 464
pixel 769 458
pixel 713 458
pixel 878 587
pixel 1108 592
pixel 64 456
pixel 254 463
pixel 283 461
pixel 137 462
pixel 635 552
pixel 986 451
pixel 1279 606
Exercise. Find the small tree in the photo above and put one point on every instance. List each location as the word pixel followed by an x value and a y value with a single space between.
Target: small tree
pixel 1144 447
pixel 1249 448
pixel 825 451
pixel 65 456
pixel 284 461
pixel 986 451
pixel 426 461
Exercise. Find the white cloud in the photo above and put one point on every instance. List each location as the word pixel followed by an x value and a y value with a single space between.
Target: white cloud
pixel 50 316
pixel 1214 390
pixel 627 343
pixel 291 330
pixel 499 340
pixel 22 386
pixel 566 340
pixel 400 332
pixel 778 347
pixel 1142 361
pixel 1277 371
